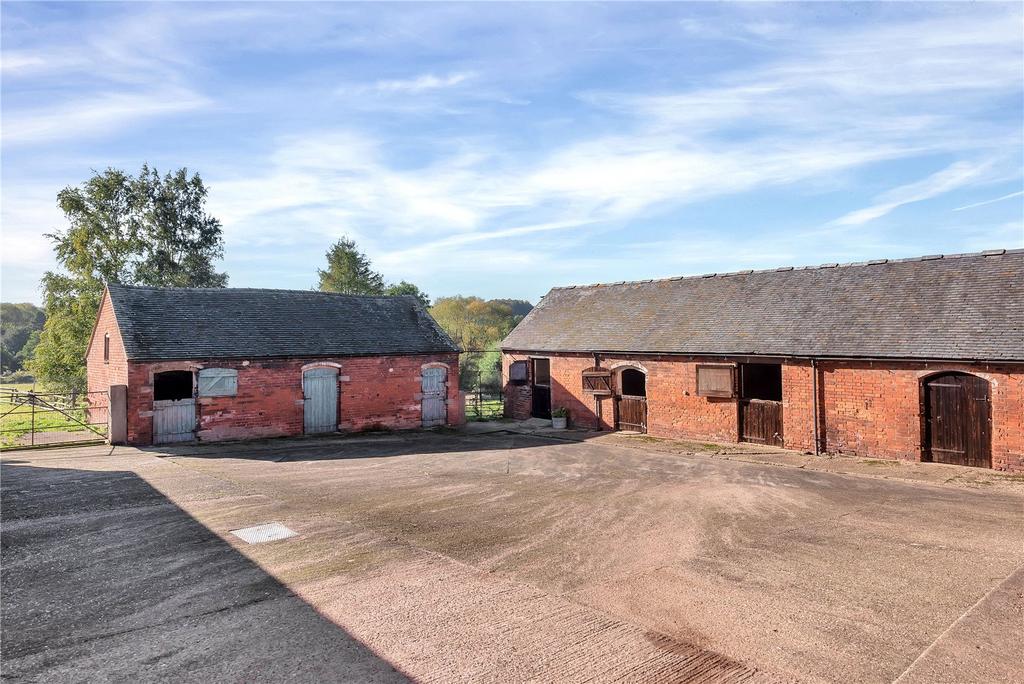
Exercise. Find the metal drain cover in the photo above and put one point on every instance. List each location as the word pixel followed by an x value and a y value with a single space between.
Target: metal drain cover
pixel 264 533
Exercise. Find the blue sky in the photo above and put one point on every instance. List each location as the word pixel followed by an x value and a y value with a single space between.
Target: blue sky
pixel 500 149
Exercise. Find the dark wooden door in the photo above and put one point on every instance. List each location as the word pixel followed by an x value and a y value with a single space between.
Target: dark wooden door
pixel 957 420
pixel 761 421
pixel 541 402
pixel 631 413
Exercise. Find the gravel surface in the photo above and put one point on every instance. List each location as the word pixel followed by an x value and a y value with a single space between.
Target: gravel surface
pixel 497 557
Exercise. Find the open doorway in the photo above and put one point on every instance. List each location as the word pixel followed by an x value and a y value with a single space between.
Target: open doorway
pixel 631 401
pixel 540 380
pixel 760 404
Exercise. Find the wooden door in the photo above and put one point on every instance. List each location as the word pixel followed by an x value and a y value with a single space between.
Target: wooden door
pixel 174 420
pixel 761 421
pixel 957 420
pixel 320 405
pixel 631 413
pixel 434 405
pixel 541 402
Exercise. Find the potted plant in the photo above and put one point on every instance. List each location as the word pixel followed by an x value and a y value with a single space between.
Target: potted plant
pixel 560 418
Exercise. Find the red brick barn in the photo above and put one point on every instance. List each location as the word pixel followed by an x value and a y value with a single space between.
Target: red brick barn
pixel 213 364
pixel 916 359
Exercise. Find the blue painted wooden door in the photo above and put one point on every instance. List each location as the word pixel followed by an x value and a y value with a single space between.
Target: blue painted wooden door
pixel 434 404
pixel 174 420
pixel 320 408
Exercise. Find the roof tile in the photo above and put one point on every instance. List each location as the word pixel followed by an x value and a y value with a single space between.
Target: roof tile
pixel 970 308
pixel 193 323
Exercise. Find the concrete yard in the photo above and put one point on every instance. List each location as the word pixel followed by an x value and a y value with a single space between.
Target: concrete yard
pixel 498 557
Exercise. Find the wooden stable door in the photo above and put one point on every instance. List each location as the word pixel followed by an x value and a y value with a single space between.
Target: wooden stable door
pixel 174 420
pixel 631 401
pixel 761 421
pixel 320 405
pixel 631 413
pixel 957 420
pixel 174 407
pixel 434 404
pixel 760 404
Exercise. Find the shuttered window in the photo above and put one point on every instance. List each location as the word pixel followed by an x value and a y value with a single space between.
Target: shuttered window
pixel 597 381
pixel 218 382
pixel 716 381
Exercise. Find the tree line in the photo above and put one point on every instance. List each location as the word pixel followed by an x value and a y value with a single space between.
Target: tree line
pixel 20 327
pixel 152 229
pixel 476 325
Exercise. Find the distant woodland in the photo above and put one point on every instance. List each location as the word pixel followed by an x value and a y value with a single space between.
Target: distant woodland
pixel 20 326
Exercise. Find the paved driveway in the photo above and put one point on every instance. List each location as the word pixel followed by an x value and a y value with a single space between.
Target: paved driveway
pixel 498 557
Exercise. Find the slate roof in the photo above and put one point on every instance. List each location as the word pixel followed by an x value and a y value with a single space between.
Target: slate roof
pixel 963 306
pixel 197 323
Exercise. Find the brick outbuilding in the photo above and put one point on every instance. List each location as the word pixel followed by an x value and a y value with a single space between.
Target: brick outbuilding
pixel 213 364
pixel 914 359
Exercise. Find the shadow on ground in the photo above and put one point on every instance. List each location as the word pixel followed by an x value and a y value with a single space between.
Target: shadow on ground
pixel 336 446
pixel 103 574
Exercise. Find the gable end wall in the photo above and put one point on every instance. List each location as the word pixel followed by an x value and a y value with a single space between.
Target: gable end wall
pixel 101 375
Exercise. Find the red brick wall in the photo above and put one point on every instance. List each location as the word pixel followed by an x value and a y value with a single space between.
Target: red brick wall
pixel 101 374
pixel 565 370
pixel 374 392
pixel 673 407
pixel 870 411
pixel 798 406
pixel 865 408
pixel 874 409
pixel 517 397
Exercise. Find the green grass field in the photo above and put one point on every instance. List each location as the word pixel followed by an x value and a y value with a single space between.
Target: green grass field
pixel 488 409
pixel 23 386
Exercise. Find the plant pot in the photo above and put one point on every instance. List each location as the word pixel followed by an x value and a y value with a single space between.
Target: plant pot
pixel 559 423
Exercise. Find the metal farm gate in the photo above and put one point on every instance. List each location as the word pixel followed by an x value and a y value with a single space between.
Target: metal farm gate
pixel 480 381
pixel 29 418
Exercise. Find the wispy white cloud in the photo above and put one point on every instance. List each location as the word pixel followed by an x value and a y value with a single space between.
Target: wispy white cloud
pixel 1019 193
pixel 952 177
pixel 422 83
pixel 103 114
pixel 19 62
pixel 423 161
